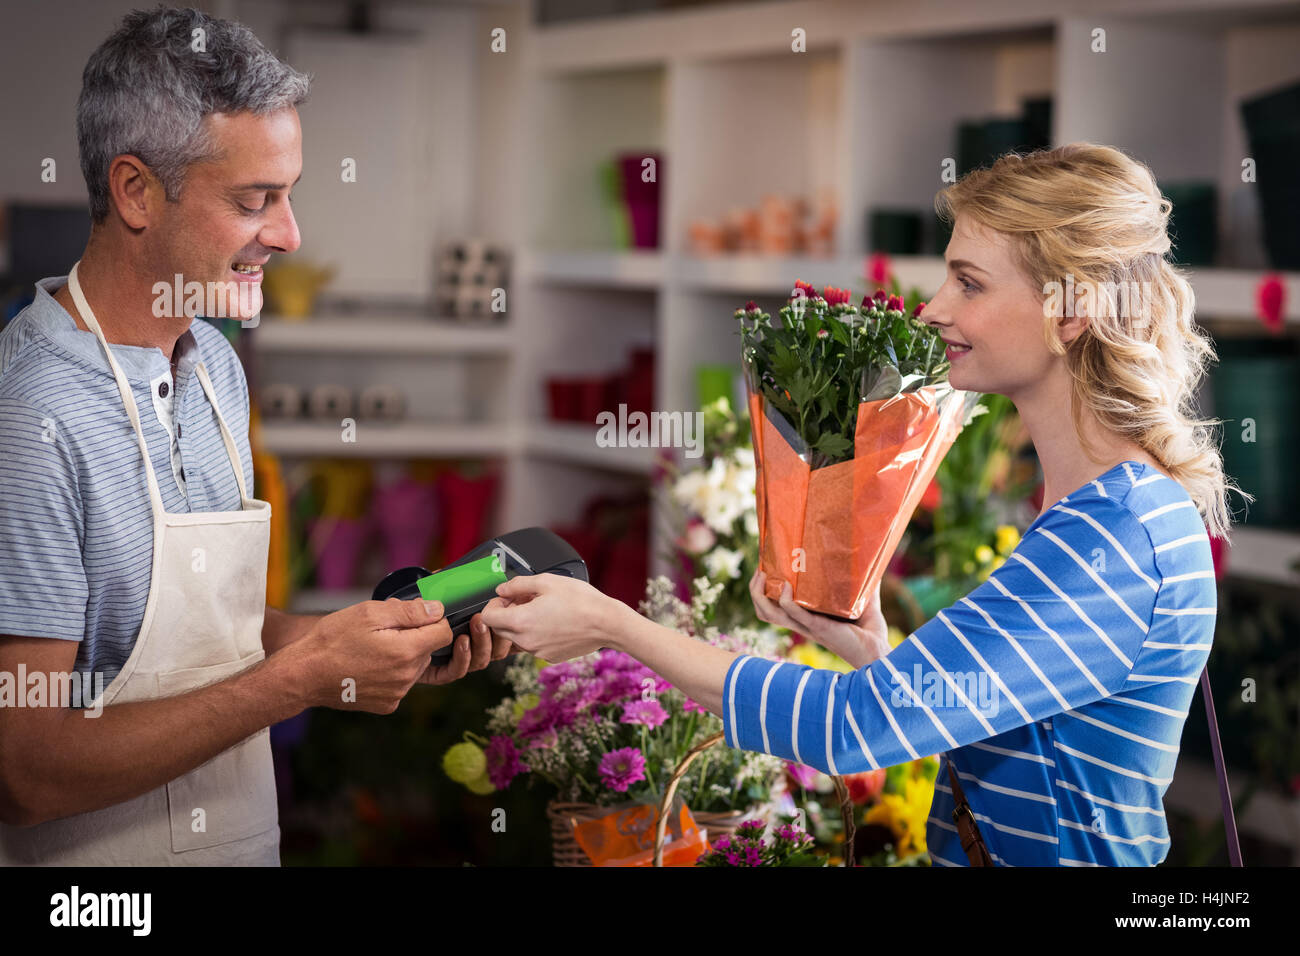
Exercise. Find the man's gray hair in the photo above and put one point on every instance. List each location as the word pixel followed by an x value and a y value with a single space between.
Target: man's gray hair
pixel 146 89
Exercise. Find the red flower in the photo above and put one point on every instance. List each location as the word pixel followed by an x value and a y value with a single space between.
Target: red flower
pixel 805 287
pixel 750 306
pixel 920 307
pixel 932 496
pixel 822 333
pixel 895 302
pixel 865 786
pixel 881 297
pixel 1270 299
pixel 878 269
pixel 1218 556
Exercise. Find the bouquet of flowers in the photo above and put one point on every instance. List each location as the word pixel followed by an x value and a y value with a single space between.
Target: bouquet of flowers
pixel 606 730
pixel 851 414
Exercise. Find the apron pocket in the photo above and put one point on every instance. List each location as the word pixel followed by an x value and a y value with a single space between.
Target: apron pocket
pixel 232 796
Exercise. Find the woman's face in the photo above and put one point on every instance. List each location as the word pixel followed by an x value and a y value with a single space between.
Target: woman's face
pixel 989 305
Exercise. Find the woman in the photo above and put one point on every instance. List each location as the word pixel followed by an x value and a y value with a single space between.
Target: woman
pixel 1057 690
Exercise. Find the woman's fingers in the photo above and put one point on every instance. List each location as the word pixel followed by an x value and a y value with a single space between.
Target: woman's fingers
pixel 766 608
pixel 797 613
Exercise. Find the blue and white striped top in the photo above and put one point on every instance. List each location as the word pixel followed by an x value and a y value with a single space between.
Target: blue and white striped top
pixel 1058 688
pixel 76 527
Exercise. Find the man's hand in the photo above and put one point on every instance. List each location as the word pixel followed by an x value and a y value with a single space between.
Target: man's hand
pixel 469 655
pixel 367 656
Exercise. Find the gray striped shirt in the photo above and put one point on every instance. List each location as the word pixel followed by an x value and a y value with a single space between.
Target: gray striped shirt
pixel 76 535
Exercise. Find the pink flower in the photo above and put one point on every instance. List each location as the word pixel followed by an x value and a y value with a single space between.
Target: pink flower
pixel 1270 300
pixel 503 763
pixel 646 712
pixel 822 333
pixel 878 268
pixel 894 302
pixel 698 537
pixel 691 707
pixel 920 307
pixel 801 775
pixel 619 769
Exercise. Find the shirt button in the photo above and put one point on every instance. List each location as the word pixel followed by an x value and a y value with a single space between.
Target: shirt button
pixel 162 389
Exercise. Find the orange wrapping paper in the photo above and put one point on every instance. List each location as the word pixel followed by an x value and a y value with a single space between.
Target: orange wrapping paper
pixel 625 837
pixel 848 518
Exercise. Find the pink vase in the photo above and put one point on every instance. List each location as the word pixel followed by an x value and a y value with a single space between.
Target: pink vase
pixel 337 543
pixel 406 514
pixel 464 503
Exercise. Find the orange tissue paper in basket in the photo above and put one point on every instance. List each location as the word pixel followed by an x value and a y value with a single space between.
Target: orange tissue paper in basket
pixel 626 836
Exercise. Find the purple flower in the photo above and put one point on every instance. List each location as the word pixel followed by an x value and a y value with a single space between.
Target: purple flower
pixel 751 825
pixel 733 859
pixel 619 769
pixel 803 775
pixel 752 857
pixel 646 712
pixel 722 842
pixel 503 763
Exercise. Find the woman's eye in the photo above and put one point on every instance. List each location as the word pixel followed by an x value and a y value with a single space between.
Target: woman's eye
pixel 967 285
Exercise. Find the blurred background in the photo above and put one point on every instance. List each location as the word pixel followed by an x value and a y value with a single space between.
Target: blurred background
pixel 558 205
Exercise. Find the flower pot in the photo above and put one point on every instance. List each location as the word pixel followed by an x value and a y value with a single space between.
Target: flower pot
pixel 337 544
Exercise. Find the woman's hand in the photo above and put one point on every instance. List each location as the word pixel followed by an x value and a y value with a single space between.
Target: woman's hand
pixel 552 616
pixel 859 642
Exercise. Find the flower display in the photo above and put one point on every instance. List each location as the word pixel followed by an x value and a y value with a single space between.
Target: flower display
pixel 606 729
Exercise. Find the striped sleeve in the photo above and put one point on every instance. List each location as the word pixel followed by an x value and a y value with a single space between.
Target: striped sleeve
pixel 42 574
pixel 1058 626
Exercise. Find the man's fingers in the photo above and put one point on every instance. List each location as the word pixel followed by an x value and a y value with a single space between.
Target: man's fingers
pixel 395 613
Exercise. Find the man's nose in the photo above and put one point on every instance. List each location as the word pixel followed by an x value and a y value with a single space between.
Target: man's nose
pixel 283 234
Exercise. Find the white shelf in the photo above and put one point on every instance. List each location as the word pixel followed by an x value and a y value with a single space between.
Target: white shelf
pixel 1230 294
pixel 1263 554
pixel 382 336
pixel 576 443
pixel 635 269
pixel 383 439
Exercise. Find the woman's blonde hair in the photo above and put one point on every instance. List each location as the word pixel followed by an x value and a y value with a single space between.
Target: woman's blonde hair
pixel 1094 215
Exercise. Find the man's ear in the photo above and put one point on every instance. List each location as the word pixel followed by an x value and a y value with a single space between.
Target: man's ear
pixel 137 193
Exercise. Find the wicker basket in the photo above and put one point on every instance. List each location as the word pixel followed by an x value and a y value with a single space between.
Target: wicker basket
pixel 567 852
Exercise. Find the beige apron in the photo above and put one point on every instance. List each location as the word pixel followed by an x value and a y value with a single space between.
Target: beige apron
pixel 202 623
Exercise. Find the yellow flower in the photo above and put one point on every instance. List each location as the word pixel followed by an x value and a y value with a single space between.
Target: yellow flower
pixel 465 762
pixel 905 814
pixel 811 655
pixel 524 704
pixel 983 554
pixel 1007 537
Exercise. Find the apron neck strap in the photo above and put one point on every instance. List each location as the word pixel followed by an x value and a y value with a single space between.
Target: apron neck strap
pixel 133 413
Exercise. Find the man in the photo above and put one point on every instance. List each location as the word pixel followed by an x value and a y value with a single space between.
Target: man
pixel 131 548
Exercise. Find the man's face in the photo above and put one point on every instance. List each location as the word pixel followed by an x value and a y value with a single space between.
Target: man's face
pixel 234 209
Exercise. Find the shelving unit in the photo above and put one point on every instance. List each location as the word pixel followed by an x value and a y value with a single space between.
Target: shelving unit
pixel 868 113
